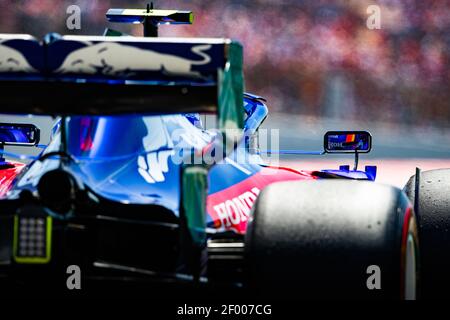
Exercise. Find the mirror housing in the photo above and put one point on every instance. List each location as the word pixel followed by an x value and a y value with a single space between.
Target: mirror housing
pixel 347 142
pixel 18 134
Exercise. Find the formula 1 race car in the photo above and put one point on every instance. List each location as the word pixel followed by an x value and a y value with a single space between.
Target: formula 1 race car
pixel 134 190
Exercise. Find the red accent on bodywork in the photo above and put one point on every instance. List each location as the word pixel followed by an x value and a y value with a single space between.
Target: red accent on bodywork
pixel 86 132
pixel 230 208
pixel 8 175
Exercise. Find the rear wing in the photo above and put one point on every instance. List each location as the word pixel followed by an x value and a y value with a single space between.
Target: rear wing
pixel 113 75
pixel 89 75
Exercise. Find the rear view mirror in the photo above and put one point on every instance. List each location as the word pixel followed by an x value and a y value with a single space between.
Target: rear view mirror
pixel 16 134
pixel 347 142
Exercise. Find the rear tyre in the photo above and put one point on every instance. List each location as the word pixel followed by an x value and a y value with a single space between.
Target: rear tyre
pixel 332 239
pixel 433 215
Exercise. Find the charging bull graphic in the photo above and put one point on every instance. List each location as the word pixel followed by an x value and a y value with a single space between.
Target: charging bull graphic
pixel 12 60
pixel 114 59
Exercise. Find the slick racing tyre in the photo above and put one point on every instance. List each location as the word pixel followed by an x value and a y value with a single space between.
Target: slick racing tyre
pixel 432 204
pixel 332 239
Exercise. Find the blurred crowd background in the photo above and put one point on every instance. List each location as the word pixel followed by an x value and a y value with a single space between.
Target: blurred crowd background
pixel 309 58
